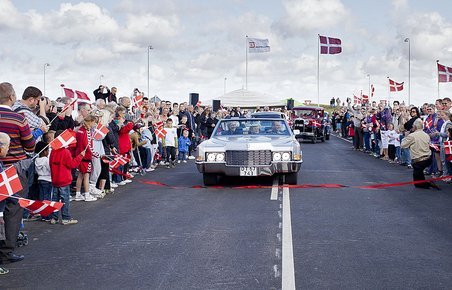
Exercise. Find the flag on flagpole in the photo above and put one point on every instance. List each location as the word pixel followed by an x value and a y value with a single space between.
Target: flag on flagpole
pixel 372 91
pixel 9 182
pixel 44 208
pixel 100 132
pixel 258 45
pixel 395 87
pixel 118 161
pixel 137 100
pixel 82 97
pixel 447 147
pixel 65 139
pixel 357 100
pixel 365 99
pixel 330 45
pixel 444 73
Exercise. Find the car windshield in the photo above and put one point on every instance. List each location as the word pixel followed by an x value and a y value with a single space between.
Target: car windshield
pixel 228 127
pixel 308 113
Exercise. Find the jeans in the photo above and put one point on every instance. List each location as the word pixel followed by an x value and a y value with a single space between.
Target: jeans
pixel 398 153
pixel 170 153
pixel 182 156
pixel 62 194
pixel 45 190
pixel 366 136
pixel 406 156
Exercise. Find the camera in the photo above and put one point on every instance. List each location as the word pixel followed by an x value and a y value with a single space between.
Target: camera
pixel 42 98
pixel 59 109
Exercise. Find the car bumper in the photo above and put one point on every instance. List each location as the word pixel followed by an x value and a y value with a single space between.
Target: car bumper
pixel 234 170
pixel 305 135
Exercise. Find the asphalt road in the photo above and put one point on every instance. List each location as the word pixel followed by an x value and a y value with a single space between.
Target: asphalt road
pixel 178 237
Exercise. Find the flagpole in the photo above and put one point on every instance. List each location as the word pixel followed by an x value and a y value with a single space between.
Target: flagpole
pixel 437 62
pixel 246 62
pixel 318 70
pixel 409 69
pixel 389 92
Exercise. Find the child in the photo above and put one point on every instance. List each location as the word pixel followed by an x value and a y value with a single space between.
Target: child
pixel 448 157
pixel 392 137
pixel 184 142
pixel 170 143
pixel 61 164
pixel 42 167
pixel 85 143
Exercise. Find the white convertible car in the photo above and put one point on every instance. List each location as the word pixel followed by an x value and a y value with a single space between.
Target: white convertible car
pixel 250 147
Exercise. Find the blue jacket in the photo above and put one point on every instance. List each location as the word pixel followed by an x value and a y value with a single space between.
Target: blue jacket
pixel 184 142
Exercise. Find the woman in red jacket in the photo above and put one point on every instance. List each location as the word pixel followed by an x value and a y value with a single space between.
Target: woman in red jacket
pixel 85 142
pixel 125 145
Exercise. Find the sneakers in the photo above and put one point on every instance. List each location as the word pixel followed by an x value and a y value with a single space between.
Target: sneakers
pixel 149 169
pixel 69 222
pixel 113 185
pixel 409 166
pixel 53 221
pixel 3 271
pixel 178 161
pixel 79 197
pixel 162 162
pixel 89 197
pixel 127 181
pixel 191 157
pixel 121 183
pixel 185 161
pixel 32 218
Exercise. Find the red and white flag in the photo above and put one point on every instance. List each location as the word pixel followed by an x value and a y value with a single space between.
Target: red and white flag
pixel 428 123
pixel 100 132
pixel 137 100
pixel 71 104
pixel 43 208
pixel 9 182
pixel 395 87
pixel 357 100
pixel 159 130
pixel 82 97
pixel 118 161
pixel 258 45
pixel 316 124
pixel 444 73
pixel 330 45
pixel 365 99
pixel 448 147
pixel 64 140
pixel 372 91
pixel 68 93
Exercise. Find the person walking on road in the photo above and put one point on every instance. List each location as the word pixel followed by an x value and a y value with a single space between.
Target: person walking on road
pixel 419 144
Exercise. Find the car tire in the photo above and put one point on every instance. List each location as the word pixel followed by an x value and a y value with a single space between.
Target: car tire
pixel 209 179
pixel 314 139
pixel 322 139
pixel 327 137
pixel 291 178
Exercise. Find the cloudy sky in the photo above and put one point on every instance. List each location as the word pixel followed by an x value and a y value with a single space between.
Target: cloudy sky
pixel 199 43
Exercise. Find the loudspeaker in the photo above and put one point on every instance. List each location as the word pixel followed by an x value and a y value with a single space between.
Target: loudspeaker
pixel 216 105
pixel 193 98
pixel 290 104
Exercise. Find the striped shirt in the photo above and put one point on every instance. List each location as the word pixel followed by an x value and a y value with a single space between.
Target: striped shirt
pixel 33 120
pixel 16 126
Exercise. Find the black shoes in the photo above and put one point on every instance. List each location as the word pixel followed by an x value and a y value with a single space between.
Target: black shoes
pixel 434 186
pixel 12 258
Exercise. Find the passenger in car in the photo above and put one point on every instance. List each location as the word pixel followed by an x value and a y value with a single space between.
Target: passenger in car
pixel 233 129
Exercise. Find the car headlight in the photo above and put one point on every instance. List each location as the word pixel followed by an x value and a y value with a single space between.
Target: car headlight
pixel 286 156
pixel 220 157
pixel 215 157
pixel 276 156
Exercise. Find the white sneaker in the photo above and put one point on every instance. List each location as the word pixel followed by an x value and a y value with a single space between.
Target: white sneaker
pixel 178 161
pixel 162 162
pixel 185 161
pixel 89 197
pixel 113 185
pixel 127 181
pixel 121 183
pixel 191 157
pixel 79 197
pixel 149 169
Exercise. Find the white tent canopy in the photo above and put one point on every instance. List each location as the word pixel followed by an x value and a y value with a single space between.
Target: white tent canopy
pixel 246 99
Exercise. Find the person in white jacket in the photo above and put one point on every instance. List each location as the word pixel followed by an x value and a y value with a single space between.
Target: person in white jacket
pixel 42 168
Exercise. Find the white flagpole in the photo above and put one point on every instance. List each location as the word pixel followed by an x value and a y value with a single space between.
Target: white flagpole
pixel 389 92
pixel 318 70
pixel 437 61
pixel 246 62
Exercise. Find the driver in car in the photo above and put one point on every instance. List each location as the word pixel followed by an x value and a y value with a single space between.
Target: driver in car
pixel 278 128
pixel 233 129
pixel 254 129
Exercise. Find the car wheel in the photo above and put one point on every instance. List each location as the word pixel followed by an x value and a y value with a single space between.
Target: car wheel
pixel 322 139
pixel 327 137
pixel 209 179
pixel 291 178
pixel 314 139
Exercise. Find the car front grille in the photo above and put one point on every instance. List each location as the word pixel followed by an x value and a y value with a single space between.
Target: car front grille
pixel 299 124
pixel 249 158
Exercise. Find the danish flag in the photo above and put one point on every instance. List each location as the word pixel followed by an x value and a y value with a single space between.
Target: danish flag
pixel 372 90
pixel 448 147
pixel 71 104
pixel 444 73
pixel 329 45
pixel 82 97
pixel 118 161
pixel 365 99
pixel 137 100
pixel 428 123
pixel 316 124
pixel 65 139
pixel 100 132
pixel 395 87
pixel 357 100
pixel 9 182
pixel 159 131
pixel 68 92
pixel 43 208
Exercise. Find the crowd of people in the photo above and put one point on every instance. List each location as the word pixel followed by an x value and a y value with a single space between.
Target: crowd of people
pixel 388 131
pixel 162 134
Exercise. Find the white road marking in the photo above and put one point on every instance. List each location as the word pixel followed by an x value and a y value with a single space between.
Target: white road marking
pixel 274 195
pixel 288 269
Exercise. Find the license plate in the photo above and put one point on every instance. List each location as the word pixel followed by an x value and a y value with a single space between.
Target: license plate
pixel 248 171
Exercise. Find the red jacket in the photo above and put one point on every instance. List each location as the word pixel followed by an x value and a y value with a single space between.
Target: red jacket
pixel 61 165
pixel 82 142
pixel 124 139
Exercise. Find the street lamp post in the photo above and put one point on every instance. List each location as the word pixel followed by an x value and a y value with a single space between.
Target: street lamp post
pixel 224 91
pixel 149 50
pixel 100 79
pixel 409 70
pixel 45 65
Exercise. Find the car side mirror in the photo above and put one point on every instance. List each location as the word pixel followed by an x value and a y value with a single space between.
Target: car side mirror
pixel 296 132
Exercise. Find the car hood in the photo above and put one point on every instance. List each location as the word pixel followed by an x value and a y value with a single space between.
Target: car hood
pixel 248 142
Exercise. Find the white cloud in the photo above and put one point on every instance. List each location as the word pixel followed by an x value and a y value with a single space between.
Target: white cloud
pixel 309 15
